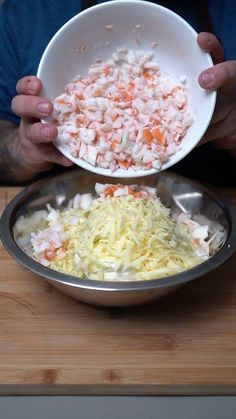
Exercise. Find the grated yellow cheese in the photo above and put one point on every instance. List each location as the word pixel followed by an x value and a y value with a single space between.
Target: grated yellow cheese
pixel 124 238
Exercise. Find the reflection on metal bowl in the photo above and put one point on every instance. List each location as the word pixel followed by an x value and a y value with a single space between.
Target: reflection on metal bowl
pixel 176 192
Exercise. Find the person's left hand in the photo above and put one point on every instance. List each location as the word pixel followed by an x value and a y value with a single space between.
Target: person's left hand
pixel 220 77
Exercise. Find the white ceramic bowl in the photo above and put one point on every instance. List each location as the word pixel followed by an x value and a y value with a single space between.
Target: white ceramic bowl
pixel 135 24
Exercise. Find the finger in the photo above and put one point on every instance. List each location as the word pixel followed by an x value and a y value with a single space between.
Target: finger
pixel 55 156
pixel 221 75
pixel 225 144
pixel 44 156
pixel 209 43
pixel 41 133
pixel 221 129
pixel 29 85
pixel 31 106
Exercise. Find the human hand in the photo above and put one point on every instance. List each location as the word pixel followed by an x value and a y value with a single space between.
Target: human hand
pixel 220 77
pixel 36 152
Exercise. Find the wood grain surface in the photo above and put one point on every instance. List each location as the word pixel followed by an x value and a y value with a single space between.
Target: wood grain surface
pixel 182 344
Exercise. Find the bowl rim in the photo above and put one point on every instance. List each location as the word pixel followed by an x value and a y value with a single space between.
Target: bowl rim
pixel 174 159
pixel 125 286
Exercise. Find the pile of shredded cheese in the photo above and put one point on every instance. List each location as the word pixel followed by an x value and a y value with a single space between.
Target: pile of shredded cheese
pixel 124 233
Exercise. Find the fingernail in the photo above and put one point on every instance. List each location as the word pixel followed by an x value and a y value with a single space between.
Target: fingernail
pixel 33 86
pixel 66 162
pixel 45 133
pixel 208 79
pixel 43 108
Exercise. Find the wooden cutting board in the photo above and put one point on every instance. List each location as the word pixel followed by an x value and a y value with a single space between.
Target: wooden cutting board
pixel 51 344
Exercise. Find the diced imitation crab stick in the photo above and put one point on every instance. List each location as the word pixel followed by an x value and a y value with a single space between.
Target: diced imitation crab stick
pixel 49 243
pixel 124 114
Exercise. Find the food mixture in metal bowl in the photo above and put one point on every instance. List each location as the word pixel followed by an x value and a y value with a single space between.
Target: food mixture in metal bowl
pixel 120 233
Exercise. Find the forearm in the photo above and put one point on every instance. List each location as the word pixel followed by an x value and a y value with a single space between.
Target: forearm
pixel 11 169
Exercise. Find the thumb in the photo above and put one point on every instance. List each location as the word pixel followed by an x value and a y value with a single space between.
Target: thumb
pixel 221 76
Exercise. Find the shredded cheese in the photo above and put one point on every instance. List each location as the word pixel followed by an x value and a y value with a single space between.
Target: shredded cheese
pixel 132 236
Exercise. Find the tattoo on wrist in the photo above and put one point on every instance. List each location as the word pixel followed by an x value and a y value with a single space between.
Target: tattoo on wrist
pixel 9 153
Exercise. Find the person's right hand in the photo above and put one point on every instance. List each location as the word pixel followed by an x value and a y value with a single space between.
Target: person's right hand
pixel 220 77
pixel 36 152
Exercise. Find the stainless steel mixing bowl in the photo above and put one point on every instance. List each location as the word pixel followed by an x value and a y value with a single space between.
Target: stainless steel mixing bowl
pixel 177 193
